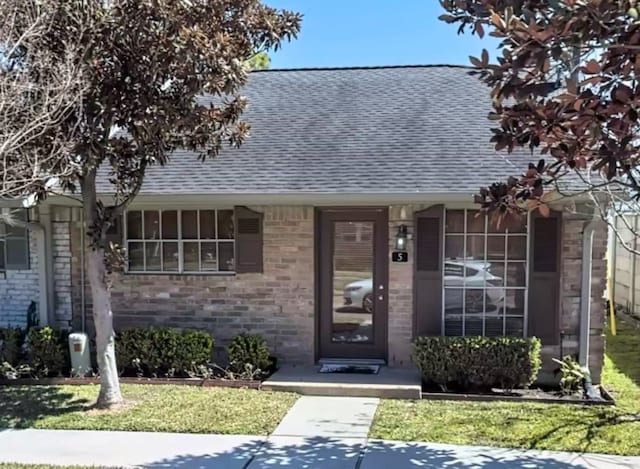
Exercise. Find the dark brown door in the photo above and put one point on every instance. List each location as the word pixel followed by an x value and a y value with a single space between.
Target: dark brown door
pixel 352 249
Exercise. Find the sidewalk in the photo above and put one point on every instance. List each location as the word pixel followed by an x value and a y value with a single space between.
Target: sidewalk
pixel 317 433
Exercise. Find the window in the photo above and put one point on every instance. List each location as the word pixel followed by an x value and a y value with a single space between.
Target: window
pixel 14 243
pixel 182 241
pixel 485 276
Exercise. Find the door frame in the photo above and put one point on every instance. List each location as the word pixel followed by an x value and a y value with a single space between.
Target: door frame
pixel 380 216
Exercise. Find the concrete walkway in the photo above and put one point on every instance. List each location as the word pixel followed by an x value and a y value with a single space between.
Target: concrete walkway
pixel 317 433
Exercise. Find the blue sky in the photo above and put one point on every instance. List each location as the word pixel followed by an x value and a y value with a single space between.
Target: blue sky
pixel 374 32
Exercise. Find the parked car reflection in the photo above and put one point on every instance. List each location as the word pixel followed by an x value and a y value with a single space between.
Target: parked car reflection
pixel 475 276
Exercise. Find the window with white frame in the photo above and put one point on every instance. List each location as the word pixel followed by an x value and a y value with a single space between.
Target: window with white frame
pixel 183 241
pixel 485 276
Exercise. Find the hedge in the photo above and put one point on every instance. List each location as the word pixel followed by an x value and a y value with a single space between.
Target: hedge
pixel 162 351
pixel 10 342
pixel 249 352
pixel 467 363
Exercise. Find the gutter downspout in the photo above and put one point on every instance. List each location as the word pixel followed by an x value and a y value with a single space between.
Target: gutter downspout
pixel 585 302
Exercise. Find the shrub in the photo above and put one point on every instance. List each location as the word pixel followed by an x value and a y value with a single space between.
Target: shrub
pixel 10 342
pixel 478 362
pixel 572 376
pixel 48 355
pixel 248 352
pixel 162 351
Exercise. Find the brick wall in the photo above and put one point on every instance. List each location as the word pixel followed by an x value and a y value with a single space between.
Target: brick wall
pixel 18 288
pixel 279 304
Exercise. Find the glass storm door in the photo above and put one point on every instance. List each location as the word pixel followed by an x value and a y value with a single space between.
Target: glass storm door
pixel 352 274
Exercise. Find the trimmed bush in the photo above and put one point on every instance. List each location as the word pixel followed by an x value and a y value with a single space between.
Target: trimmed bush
pixel 162 351
pixel 248 350
pixel 48 355
pixel 478 362
pixel 10 342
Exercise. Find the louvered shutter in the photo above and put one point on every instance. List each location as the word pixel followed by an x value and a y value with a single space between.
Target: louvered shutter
pixel 248 240
pixel 544 278
pixel 428 270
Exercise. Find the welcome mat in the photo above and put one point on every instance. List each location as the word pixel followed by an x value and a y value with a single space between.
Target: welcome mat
pixel 349 368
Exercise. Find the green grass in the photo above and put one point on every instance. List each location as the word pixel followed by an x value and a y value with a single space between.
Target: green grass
pixel 160 408
pixel 563 427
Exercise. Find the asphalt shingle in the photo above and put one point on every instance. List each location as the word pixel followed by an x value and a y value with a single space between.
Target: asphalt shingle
pixel 419 129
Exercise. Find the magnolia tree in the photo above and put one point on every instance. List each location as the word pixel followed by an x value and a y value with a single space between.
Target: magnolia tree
pixel 89 86
pixel 564 85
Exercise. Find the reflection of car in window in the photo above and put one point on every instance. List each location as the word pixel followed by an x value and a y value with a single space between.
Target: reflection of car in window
pixel 470 274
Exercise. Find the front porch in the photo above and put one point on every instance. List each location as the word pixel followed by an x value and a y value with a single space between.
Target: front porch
pixel 390 383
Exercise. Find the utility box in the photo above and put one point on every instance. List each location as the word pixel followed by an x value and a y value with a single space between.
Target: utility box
pixel 79 352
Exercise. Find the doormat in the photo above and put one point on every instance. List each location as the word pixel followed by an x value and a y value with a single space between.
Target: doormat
pixel 348 368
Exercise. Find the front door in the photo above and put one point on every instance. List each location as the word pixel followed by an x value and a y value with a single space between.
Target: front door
pixel 352 279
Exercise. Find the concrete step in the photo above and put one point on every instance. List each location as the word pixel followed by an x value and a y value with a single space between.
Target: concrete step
pixel 389 383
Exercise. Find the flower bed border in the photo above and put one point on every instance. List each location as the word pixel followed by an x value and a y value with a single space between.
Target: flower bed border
pixel 451 396
pixel 222 383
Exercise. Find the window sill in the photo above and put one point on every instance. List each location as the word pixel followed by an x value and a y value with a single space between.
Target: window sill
pixel 183 274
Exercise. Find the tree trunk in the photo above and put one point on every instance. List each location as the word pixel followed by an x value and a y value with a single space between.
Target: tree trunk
pixel 101 301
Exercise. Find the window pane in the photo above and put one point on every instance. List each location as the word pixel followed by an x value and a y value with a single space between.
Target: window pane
pixel 15 230
pixel 495 248
pixel 455 221
pixel 473 324
pixel 152 253
pixel 515 302
pixel 494 325
pixel 514 327
pixel 191 257
pixel 207 224
pixel 475 247
pixel 151 224
pixel 516 274
pixel 190 224
pixel 170 224
pixel 494 299
pixel 517 248
pixel 474 301
pixel 453 311
pixel 2 254
pixel 134 225
pixel 170 257
pixel 225 224
pixel 518 224
pixel 475 221
pixel 454 247
pixel 226 260
pixel 209 258
pixel 136 256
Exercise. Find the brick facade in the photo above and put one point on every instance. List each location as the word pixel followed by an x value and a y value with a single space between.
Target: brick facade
pixel 280 303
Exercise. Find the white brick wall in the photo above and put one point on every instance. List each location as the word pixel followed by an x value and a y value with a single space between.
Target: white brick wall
pixel 17 289
pixel 62 273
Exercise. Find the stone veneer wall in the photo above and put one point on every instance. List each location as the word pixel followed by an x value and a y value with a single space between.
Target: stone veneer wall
pixel 18 288
pixel 279 303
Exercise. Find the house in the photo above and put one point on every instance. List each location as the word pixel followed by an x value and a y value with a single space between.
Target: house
pixel 295 235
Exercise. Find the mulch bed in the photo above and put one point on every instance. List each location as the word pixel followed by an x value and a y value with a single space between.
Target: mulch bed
pixel 223 383
pixel 547 396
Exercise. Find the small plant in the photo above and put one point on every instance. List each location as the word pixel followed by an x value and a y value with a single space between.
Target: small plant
pixel 46 352
pixel 572 375
pixel 10 342
pixel 249 355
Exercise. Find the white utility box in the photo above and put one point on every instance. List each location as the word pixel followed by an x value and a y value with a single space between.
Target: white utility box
pixel 80 356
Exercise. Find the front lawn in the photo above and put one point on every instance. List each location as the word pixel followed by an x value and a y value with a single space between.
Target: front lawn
pixel 159 408
pixel 565 427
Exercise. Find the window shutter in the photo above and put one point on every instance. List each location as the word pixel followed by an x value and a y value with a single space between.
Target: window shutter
pixel 544 282
pixel 17 243
pixel 248 239
pixel 428 270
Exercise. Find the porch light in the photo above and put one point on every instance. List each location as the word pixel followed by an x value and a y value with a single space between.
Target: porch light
pixel 401 238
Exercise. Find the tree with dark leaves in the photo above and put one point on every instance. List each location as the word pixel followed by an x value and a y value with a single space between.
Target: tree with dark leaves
pixel 89 85
pixel 564 86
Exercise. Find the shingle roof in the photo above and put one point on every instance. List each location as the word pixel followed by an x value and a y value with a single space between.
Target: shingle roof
pixel 406 129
